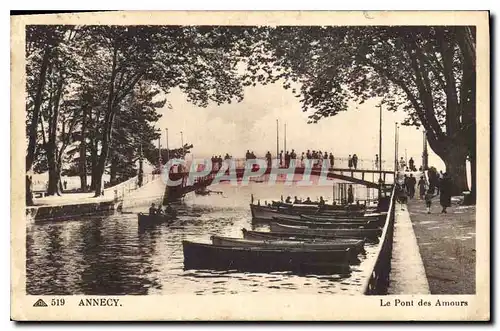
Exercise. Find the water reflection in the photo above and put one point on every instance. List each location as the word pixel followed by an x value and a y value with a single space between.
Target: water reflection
pixel 112 255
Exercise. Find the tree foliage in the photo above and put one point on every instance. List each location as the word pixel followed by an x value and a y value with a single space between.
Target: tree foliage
pixel 429 72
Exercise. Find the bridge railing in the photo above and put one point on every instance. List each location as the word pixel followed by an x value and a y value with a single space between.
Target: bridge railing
pixel 378 280
pixel 339 162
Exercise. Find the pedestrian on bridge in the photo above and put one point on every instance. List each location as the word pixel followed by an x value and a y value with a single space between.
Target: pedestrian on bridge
pixel 402 164
pixel 281 158
pixel 411 163
pixel 376 161
pixel 355 161
pixel 349 161
pixel 287 159
pixel 331 160
pixel 268 159
pixel 293 157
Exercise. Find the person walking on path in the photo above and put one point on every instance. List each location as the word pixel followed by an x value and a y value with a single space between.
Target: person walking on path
pixel 349 161
pixel 331 160
pixel 421 187
pixel 411 186
pixel 428 200
pixel 445 192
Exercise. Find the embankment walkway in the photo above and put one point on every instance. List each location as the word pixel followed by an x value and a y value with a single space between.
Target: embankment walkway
pixel 407 269
pixel 447 245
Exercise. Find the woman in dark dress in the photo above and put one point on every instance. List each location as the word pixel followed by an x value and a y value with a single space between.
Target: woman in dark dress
pixel 445 192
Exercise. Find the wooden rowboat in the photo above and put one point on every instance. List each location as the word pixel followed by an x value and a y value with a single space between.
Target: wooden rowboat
pixel 330 225
pixel 336 218
pixel 256 259
pixel 355 245
pixel 355 233
pixel 146 219
pixel 259 235
pixel 315 205
pixel 266 213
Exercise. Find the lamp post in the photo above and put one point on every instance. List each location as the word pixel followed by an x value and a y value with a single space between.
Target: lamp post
pixel 168 153
pixel 380 153
pixel 380 144
pixel 425 155
pixel 277 139
pixel 395 147
pixel 182 144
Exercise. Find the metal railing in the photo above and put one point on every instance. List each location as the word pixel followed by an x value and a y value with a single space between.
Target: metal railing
pixel 378 281
pixel 131 184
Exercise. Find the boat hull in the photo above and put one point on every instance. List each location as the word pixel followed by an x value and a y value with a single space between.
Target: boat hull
pixel 355 233
pixel 211 257
pixel 330 225
pixel 356 246
pixel 266 213
pixel 334 218
pixel 145 219
pixel 258 235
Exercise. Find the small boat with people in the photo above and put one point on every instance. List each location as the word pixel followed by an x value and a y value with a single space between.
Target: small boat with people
pixel 266 213
pixel 355 233
pixel 157 216
pixel 356 245
pixel 258 259
pixel 332 218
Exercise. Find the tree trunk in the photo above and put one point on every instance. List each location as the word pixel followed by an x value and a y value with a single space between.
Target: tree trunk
pixel 94 160
pixel 108 124
pixel 455 161
pixel 101 165
pixel 51 147
pixel 54 178
pixel 113 170
pixel 83 153
pixel 33 126
pixel 140 172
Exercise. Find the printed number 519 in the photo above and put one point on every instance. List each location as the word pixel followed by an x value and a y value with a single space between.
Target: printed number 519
pixel 57 302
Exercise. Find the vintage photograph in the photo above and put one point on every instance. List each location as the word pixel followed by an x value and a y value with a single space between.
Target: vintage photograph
pixel 250 159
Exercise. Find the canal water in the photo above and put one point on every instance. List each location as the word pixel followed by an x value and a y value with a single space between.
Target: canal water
pixel 110 255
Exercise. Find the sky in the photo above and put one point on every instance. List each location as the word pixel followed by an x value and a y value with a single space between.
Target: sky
pixel 251 125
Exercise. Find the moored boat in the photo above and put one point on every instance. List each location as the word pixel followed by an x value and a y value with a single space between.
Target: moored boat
pixel 355 245
pixel 330 225
pixel 315 204
pixel 146 219
pixel 333 218
pixel 355 233
pixel 259 235
pixel 256 259
pixel 266 213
